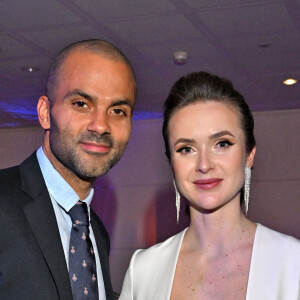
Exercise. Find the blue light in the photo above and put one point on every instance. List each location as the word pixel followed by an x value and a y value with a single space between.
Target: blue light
pixel 143 115
pixel 19 109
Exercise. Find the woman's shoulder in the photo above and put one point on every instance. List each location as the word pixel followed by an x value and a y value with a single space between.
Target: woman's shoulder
pixel 159 254
pixel 277 242
pixel 160 260
pixel 276 236
pixel 169 245
pixel 275 266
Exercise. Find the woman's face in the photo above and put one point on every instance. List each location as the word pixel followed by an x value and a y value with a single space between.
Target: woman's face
pixel 208 153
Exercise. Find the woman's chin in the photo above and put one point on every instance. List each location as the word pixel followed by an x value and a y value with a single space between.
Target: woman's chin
pixel 207 208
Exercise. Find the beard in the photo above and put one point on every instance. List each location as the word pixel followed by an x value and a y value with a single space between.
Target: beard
pixel 88 165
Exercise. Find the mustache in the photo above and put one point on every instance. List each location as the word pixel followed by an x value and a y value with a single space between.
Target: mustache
pixel 94 137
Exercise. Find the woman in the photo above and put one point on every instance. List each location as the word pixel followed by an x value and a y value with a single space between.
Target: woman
pixel 208 133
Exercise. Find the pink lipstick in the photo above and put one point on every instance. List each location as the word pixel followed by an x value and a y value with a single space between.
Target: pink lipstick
pixel 207 184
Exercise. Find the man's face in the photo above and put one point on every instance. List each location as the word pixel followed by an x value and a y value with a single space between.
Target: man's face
pixel 90 117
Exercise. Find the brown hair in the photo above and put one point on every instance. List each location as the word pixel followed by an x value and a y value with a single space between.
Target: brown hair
pixel 202 86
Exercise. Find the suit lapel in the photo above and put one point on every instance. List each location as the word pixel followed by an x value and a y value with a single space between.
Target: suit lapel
pixel 103 250
pixel 41 217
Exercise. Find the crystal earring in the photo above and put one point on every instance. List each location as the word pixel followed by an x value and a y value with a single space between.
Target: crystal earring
pixel 177 200
pixel 247 188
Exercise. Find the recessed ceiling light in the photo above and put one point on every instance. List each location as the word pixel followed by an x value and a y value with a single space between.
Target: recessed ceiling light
pixel 289 81
pixel 30 69
pixel 180 57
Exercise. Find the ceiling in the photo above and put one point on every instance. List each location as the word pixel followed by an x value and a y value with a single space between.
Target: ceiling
pixel 254 43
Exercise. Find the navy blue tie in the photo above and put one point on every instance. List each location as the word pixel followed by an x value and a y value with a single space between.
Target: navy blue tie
pixel 82 265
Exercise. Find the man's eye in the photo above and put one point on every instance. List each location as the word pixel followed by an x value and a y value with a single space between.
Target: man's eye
pixel 118 111
pixel 80 104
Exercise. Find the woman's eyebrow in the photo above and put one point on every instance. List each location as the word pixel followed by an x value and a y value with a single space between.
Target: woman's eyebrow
pixel 184 140
pixel 220 134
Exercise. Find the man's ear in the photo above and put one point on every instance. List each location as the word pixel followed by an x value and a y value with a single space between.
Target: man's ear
pixel 250 159
pixel 43 110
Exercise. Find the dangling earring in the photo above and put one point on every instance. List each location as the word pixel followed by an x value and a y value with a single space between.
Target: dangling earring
pixel 177 200
pixel 247 188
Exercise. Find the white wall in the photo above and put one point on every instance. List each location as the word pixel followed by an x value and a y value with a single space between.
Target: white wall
pixel 275 195
pixel 136 200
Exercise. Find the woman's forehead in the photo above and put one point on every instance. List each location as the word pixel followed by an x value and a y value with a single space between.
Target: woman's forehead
pixel 202 113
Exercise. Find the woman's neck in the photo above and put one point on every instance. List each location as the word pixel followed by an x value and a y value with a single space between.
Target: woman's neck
pixel 219 232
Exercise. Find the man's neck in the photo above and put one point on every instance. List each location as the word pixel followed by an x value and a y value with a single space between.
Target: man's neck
pixel 81 186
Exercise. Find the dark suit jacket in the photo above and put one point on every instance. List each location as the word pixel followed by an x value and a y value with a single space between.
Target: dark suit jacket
pixel 32 261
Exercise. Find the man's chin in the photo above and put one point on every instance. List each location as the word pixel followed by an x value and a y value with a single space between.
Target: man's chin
pixel 89 174
pixel 90 168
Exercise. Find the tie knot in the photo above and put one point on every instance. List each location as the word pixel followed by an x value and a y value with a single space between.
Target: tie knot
pixel 79 214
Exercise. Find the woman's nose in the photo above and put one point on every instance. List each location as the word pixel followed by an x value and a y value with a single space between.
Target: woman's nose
pixel 204 163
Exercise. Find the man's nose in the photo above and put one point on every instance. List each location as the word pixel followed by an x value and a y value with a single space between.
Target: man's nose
pixel 99 122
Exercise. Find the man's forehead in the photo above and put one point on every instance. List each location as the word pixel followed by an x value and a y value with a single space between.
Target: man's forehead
pixel 80 55
pixel 79 59
pixel 85 60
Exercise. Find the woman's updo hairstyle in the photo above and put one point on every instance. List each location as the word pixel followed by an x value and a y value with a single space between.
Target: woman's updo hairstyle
pixel 202 86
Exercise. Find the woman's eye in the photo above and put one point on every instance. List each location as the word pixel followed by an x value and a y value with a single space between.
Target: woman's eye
pixel 224 144
pixel 184 150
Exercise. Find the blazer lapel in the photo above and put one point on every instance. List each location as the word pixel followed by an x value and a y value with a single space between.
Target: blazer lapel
pixel 41 217
pixel 103 250
pixel 168 257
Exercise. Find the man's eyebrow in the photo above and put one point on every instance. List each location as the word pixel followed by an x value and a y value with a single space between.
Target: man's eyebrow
pixel 121 102
pixel 80 93
pixel 86 96
pixel 220 134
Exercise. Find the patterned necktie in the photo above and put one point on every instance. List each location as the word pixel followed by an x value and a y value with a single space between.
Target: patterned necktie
pixel 82 265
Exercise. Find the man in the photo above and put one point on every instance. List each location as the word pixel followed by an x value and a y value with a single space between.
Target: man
pixel 86 114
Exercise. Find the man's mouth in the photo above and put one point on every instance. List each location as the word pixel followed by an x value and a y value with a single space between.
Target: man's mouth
pixel 94 147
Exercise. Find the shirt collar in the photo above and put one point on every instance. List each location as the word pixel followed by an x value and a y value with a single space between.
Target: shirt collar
pixel 58 188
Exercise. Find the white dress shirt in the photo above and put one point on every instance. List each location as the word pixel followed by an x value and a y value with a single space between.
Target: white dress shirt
pixel 63 198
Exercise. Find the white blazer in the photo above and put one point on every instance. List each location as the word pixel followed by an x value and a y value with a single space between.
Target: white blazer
pixel 274 270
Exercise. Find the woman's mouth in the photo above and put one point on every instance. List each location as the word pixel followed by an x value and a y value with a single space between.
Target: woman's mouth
pixel 207 184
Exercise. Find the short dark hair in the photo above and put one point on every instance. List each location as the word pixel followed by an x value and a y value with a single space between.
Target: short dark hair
pixel 202 86
pixel 95 46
